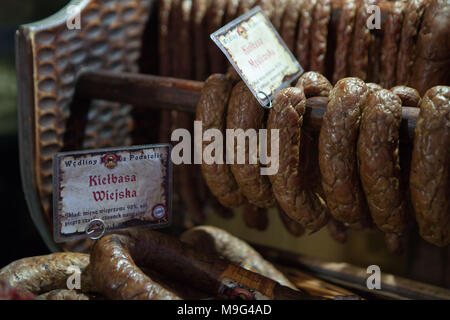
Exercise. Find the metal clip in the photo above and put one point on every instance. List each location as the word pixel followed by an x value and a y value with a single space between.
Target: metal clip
pixel 268 99
pixel 96 229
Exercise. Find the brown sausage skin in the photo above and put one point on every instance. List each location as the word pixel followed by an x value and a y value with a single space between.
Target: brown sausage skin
pixel 255 218
pixel 372 87
pixel 115 274
pixel 432 64
pixel 278 11
pixel 337 151
pixel 292 226
pixel 344 35
pixel 213 240
pixel 290 24
pixel 165 63
pixel 407 48
pixel 244 112
pixel 211 110
pixel 215 19
pixel 200 38
pixel 314 84
pixel 410 97
pixel 62 294
pixel 379 163
pixel 45 273
pixel 289 186
pixel 304 33
pixel 390 44
pixel 322 13
pixel 179 261
pixel 430 174
pixel 361 42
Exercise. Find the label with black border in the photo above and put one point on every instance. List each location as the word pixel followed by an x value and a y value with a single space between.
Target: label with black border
pixel 122 187
pixel 259 55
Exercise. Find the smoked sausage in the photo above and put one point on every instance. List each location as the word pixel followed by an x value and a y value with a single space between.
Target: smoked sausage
pixel 246 114
pixel 213 240
pixel 289 186
pixel 379 163
pixel 211 110
pixel 337 152
pixel 430 174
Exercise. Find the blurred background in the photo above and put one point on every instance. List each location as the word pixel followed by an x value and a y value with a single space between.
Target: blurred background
pixel 19 237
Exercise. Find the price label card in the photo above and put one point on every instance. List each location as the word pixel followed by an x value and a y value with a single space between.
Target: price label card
pixel 259 55
pixel 111 189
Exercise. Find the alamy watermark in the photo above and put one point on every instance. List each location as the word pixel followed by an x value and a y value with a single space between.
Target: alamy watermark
pixel 374 20
pixel 74 21
pixel 74 280
pixel 235 142
pixel 374 280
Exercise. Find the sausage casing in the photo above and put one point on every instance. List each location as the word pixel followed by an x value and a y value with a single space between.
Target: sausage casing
pixel 211 110
pixel 245 113
pixel 337 151
pixel 430 174
pixel 379 163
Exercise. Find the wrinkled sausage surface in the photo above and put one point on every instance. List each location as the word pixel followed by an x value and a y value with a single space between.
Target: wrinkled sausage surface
pixel 314 84
pixel 213 240
pixel 379 163
pixel 410 97
pixel 430 174
pixel 321 19
pixel 390 44
pixel 245 113
pixel 44 273
pixel 432 64
pixel 337 151
pixel 62 294
pixel 361 42
pixel 210 274
pixel 407 48
pixel 289 184
pixel 346 24
pixel 211 110
pixel 290 24
pixel 115 274
pixel 304 33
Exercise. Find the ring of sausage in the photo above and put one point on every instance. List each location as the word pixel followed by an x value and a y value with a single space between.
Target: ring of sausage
pixel 337 152
pixel 379 164
pixel 316 85
pixel 246 114
pixel 430 171
pixel 211 110
pixel 289 184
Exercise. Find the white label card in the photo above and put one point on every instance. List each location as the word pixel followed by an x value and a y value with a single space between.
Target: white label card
pixel 259 55
pixel 122 187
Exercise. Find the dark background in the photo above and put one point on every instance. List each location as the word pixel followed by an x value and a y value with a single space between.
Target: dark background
pixel 18 236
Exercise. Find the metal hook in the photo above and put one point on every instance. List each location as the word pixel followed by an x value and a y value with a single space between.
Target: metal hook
pixel 268 99
pixel 90 230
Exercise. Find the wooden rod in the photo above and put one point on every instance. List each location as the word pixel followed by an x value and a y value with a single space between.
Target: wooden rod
pixel 140 89
pixel 157 92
